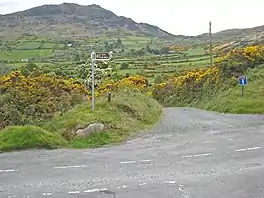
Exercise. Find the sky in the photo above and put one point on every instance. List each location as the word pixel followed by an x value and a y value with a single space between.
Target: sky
pixel 180 17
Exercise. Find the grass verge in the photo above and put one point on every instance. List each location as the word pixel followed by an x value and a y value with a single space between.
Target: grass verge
pixel 29 137
pixel 232 101
pixel 127 113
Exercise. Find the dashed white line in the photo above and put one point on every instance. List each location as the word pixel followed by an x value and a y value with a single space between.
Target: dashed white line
pixel 128 162
pixel 197 155
pixel 76 166
pixel 180 189
pixel 253 148
pixel 248 149
pixel 92 190
pixel 170 182
pixel 142 184
pixel 46 194
pixel 74 192
pixel 103 189
pixel 8 170
pixel 145 161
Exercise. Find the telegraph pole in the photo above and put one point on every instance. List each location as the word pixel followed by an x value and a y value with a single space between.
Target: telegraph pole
pixel 92 60
pixel 210 37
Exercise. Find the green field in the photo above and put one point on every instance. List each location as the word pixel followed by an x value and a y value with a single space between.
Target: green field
pixel 52 55
pixel 18 55
pixel 165 64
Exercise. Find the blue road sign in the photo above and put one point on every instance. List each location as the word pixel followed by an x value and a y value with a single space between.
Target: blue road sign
pixel 243 80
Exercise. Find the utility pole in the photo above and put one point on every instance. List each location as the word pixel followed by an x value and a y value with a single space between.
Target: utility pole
pixel 92 61
pixel 210 35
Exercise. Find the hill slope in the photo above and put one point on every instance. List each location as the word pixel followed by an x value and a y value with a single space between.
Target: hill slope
pixel 248 33
pixel 70 19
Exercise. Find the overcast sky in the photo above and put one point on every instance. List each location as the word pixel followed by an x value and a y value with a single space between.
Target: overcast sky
pixel 188 17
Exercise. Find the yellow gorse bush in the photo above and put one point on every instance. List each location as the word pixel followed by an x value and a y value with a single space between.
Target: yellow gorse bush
pixel 196 76
pixel 178 48
pixel 36 97
pixel 139 83
pixel 18 81
pixel 251 54
pixel 188 84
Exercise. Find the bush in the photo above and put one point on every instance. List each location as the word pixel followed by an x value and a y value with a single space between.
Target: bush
pixel 201 87
pixel 29 137
pixel 124 66
pixel 188 88
pixel 128 112
pixel 33 99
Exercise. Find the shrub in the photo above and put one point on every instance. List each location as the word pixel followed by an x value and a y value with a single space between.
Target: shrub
pixel 124 66
pixel 35 98
pixel 29 137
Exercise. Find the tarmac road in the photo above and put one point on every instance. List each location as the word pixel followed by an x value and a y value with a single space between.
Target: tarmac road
pixel 190 154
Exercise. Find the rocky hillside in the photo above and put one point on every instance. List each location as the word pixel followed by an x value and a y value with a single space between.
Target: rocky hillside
pixel 70 19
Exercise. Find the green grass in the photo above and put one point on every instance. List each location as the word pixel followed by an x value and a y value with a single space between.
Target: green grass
pixel 195 51
pixel 128 71
pixel 232 101
pixel 29 45
pixel 17 55
pixel 135 42
pixel 29 137
pixel 127 113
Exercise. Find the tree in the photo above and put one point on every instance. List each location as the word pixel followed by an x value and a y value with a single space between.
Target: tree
pixel 124 66
pixel 158 79
pixel 119 42
pixel 77 57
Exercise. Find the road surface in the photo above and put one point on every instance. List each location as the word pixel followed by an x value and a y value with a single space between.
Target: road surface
pixel 190 154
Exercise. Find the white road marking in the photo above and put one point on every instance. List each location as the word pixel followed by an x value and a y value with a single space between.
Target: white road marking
pixel 76 166
pixel 248 149
pixel 238 150
pixel 253 148
pixel 46 194
pixel 180 189
pixel 170 182
pixel 146 161
pixel 74 192
pixel 198 155
pixel 8 170
pixel 247 168
pixel 142 184
pixel 92 190
pixel 103 189
pixel 128 162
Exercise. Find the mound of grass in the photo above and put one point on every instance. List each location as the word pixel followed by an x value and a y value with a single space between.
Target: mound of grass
pixel 127 113
pixel 29 137
pixel 232 101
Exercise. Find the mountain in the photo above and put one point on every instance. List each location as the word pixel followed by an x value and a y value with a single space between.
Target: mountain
pixel 70 20
pixel 231 34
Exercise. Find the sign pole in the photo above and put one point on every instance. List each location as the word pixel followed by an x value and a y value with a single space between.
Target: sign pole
pixel 103 56
pixel 242 82
pixel 92 60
